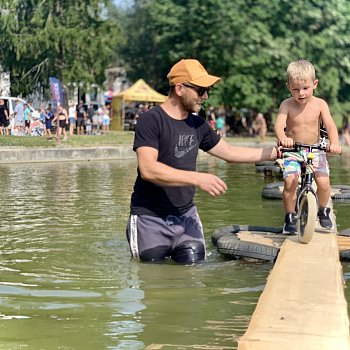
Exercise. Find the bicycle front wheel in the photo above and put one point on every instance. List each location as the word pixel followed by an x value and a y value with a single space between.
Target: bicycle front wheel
pixel 307 215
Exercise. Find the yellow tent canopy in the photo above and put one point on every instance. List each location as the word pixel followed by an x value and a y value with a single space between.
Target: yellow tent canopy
pixel 138 92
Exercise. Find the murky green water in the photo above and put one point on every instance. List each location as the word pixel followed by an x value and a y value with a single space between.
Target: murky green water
pixel 67 281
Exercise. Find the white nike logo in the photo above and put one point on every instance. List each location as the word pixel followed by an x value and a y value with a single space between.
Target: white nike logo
pixel 179 154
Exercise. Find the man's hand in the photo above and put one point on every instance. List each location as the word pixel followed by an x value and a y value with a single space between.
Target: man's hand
pixel 211 184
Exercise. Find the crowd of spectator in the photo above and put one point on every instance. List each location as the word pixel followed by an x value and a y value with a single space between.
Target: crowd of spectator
pixel 82 119
pixel 79 119
pixel 231 122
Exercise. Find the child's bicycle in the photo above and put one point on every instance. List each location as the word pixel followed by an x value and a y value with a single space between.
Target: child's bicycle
pixel 306 206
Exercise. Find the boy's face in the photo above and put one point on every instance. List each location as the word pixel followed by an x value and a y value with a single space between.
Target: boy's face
pixel 302 90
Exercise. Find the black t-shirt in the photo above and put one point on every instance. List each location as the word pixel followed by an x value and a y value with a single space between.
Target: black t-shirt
pixel 2 111
pixel 80 111
pixel 177 142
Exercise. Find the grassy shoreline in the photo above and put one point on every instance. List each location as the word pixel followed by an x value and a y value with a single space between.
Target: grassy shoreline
pixel 113 138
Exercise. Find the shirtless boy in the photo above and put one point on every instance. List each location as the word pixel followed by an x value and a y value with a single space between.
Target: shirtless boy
pixel 298 120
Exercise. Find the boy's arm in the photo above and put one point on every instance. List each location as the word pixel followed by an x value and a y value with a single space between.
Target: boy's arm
pixel 331 128
pixel 280 125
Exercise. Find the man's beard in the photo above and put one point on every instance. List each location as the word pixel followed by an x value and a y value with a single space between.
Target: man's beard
pixel 190 106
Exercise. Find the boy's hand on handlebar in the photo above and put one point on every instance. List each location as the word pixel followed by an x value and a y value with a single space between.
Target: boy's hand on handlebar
pixel 333 148
pixel 287 142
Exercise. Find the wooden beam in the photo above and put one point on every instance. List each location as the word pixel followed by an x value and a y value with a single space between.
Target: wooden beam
pixel 302 306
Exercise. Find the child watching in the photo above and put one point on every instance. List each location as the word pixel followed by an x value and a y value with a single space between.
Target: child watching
pixel 298 120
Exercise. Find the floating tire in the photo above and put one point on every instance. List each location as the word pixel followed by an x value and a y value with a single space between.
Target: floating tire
pixel 340 192
pixel 229 245
pixel 269 168
pixel 265 163
pixel 345 232
pixel 345 253
pixel 233 229
pixel 232 247
pixel 274 190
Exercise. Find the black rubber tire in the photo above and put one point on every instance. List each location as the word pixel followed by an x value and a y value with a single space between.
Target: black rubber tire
pixel 345 254
pixel 233 229
pixel 341 187
pixel 341 196
pixel 344 192
pixel 345 232
pixel 265 163
pixel 307 215
pixel 272 190
pixel 232 247
pixel 274 169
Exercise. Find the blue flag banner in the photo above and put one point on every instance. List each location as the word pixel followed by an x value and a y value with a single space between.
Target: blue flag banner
pixel 56 92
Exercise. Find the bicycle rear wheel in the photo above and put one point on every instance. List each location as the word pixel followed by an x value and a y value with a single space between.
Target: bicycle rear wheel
pixel 307 215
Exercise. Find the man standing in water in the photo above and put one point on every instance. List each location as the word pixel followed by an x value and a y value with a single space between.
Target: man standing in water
pixel 164 222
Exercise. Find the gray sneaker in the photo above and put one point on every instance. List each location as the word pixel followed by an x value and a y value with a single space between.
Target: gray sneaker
pixel 289 227
pixel 324 218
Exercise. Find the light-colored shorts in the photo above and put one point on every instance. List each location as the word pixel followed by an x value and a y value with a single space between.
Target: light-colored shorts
pixel 19 122
pixel 291 166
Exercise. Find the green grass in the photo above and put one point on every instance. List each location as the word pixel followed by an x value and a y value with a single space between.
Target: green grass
pixel 113 138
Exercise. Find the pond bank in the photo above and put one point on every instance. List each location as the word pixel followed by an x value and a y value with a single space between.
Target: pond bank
pixel 36 155
pixel 69 154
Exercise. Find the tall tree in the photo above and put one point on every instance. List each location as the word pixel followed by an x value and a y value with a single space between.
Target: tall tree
pixel 249 43
pixel 74 40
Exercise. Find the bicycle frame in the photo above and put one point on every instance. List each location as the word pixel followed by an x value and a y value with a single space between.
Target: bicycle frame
pixel 307 178
pixel 306 204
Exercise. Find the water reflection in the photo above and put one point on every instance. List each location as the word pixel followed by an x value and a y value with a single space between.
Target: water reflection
pixel 67 280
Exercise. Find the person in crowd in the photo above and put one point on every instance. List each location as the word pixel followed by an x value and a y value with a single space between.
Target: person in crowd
pixel 42 114
pixel 105 120
pixel 72 116
pixel 81 118
pixel 221 125
pixel 212 117
pixel 4 118
pixel 27 120
pixel 163 221
pixel 19 117
pixel 61 117
pixel 88 126
pixel 247 123
pixel 260 127
pixel 48 122
pixel 298 120
pixel 90 112
pixel 346 131
pixel 95 122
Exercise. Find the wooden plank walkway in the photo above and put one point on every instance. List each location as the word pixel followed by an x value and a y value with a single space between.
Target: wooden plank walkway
pixel 303 304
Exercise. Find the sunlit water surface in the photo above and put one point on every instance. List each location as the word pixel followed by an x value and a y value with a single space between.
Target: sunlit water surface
pixel 67 281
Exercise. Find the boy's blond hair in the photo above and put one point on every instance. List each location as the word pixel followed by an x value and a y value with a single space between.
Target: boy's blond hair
pixel 300 70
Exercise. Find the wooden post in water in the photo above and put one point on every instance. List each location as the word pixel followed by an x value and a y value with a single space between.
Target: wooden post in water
pixel 303 306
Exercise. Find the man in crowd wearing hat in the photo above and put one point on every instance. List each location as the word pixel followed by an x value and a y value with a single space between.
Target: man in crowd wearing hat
pixel 164 222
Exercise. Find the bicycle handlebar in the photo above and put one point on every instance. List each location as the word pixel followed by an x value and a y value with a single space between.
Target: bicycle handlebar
pixel 298 146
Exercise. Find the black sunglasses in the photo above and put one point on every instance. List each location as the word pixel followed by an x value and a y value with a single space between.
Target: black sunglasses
pixel 199 89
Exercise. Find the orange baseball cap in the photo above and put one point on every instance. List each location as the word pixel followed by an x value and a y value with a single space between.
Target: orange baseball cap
pixel 191 71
